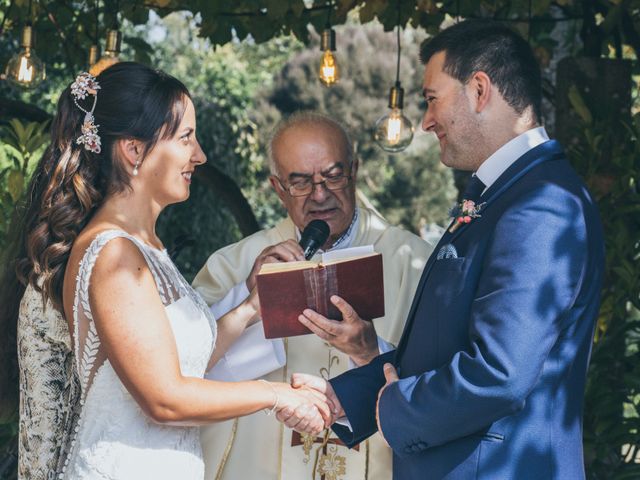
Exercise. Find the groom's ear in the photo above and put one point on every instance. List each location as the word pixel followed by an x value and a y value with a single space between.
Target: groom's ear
pixel 480 87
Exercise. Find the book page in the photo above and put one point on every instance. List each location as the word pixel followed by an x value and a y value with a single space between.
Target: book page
pixel 286 266
pixel 347 253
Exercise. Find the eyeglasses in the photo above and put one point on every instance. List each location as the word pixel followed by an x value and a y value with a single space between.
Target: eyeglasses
pixel 304 187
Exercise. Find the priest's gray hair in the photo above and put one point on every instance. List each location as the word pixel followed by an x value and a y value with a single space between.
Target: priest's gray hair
pixel 308 117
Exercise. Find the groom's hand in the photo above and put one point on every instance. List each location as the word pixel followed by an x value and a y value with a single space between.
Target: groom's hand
pixel 302 409
pixel 391 375
pixel 352 335
pixel 320 385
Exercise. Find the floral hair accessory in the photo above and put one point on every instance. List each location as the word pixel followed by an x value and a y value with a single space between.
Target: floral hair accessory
pixel 86 84
pixel 464 212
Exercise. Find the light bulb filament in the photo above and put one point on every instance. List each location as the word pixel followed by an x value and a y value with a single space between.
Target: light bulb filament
pixel 25 74
pixel 394 129
pixel 328 68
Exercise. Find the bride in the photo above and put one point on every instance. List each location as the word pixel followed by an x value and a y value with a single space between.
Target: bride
pixel 113 388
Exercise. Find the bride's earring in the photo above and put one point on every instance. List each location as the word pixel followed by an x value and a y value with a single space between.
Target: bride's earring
pixel 135 169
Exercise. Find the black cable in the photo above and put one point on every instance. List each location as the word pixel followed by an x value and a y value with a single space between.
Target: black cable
pixel 97 12
pixel 329 10
pixel 29 14
pixel 399 48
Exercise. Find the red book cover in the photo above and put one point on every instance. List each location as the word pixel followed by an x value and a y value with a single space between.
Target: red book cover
pixel 286 289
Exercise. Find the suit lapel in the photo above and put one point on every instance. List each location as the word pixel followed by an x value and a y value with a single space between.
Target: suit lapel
pixel 549 150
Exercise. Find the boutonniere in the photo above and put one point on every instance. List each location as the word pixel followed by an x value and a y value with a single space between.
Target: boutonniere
pixel 464 212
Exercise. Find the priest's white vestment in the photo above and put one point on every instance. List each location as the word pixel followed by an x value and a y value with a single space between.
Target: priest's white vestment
pixel 259 447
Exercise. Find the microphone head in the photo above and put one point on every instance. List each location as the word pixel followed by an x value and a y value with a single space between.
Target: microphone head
pixel 313 237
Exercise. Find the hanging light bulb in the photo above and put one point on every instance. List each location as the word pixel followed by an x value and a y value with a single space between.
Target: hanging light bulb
pixel 94 54
pixel 328 72
pixel 111 53
pixel 25 69
pixel 394 131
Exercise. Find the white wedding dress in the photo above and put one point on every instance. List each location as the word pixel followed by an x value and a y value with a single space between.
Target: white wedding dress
pixel 113 438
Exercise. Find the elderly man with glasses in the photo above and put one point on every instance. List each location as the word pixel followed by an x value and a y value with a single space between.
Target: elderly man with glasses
pixel 313 171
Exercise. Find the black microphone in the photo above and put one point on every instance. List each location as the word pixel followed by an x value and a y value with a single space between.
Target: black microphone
pixel 313 237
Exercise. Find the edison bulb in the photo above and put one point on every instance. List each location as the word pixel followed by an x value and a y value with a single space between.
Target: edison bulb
pixel 25 69
pixel 111 54
pixel 394 131
pixel 328 73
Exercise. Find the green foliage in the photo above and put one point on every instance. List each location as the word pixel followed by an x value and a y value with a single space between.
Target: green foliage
pixel 19 145
pixel 406 187
pixel 66 29
pixel 612 404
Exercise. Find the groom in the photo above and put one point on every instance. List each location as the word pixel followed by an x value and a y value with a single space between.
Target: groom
pixel 493 359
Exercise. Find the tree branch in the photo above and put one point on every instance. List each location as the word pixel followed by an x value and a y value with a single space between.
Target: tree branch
pixel 17 109
pixel 231 194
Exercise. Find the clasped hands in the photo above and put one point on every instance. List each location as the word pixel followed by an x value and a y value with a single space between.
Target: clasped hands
pixel 313 421
pixel 363 351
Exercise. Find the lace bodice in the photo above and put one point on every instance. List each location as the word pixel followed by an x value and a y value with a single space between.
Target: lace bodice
pixel 113 438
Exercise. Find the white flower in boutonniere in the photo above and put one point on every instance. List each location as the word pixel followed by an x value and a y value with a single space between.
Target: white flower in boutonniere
pixel 464 212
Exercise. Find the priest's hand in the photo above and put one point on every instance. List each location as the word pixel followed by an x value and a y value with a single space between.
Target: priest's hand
pixel 353 336
pixel 287 251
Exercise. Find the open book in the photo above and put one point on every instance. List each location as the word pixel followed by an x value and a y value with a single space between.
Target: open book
pixel 286 289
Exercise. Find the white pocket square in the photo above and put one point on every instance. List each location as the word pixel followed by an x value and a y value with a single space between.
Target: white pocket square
pixel 447 251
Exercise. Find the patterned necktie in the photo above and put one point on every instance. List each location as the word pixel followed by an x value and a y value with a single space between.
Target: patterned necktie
pixel 474 189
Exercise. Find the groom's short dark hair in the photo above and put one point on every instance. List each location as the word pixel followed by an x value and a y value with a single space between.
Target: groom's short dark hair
pixel 486 45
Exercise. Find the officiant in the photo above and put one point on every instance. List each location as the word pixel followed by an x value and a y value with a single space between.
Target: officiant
pixel 313 172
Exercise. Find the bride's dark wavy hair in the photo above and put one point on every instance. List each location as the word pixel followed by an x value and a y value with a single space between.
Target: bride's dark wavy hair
pixel 70 183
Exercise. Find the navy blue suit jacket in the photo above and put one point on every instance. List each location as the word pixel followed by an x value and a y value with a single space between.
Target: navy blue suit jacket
pixel 494 354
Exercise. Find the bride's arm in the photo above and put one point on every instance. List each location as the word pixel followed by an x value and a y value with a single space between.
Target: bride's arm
pixel 138 341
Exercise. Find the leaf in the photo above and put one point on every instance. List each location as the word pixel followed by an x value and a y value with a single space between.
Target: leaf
pixel 540 7
pixel 18 128
pixel 577 102
pixel 15 184
pixel 13 151
pixel 276 9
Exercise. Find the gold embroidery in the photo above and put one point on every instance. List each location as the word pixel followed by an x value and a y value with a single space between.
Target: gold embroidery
pixel 332 466
pixel 307 442
pixel 227 450
pixel 285 377
pixel 325 372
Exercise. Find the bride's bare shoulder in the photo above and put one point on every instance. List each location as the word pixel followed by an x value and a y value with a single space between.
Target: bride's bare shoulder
pixel 118 257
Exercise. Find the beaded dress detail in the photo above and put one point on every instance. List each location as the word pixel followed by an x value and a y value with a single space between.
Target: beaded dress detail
pixel 113 438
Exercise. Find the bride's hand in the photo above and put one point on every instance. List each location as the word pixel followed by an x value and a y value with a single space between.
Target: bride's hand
pixel 304 410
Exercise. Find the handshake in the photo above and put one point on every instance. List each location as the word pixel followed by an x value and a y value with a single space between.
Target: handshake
pixel 308 405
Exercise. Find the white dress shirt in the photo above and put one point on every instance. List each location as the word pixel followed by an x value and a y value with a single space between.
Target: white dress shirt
pixel 503 158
